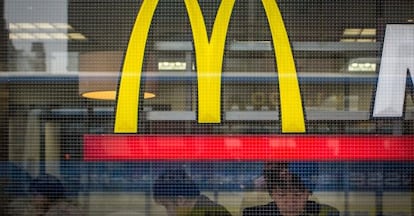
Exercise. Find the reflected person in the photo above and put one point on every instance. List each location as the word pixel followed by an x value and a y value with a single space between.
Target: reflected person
pixel 290 197
pixel 49 198
pixel 180 196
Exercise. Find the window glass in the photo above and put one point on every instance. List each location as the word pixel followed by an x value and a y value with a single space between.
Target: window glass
pixel 102 101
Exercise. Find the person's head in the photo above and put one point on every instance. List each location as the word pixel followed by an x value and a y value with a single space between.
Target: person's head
pixel 286 189
pixel 176 191
pixel 46 190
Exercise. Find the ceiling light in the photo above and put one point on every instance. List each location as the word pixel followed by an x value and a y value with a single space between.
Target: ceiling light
pixel 352 31
pixel 365 40
pixel 101 95
pixel 46 36
pixel 26 25
pixel 12 26
pixel 348 40
pixel 410 20
pixel 99 75
pixel 110 95
pixel 172 65
pixel 76 36
pixel 368 65
pixel 62 25
pixel 25 36
pixel 368 32
pixel 149 95
pixel 42 36
pixel 42 31
pixel 59 36
pixel 13 36
pixel 362 65
pixel 44 25
pixel 359 35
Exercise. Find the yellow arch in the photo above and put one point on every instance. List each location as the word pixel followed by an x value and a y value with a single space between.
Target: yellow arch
pixel 209 57
pixel 290 100
pixel 126 119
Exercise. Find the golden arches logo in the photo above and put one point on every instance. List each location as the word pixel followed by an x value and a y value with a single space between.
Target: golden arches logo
pixel 209 59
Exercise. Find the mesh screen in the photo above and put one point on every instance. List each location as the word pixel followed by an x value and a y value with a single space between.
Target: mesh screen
pixel 206 107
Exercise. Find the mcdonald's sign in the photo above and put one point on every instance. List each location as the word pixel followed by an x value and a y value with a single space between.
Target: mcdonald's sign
pixel 209 53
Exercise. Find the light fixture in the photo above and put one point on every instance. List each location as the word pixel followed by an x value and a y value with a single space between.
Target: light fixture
pixel 359 35
pixel 362 65
pixel 366 40
pixel 359 40
pixel 62 25
pixel 43 31
pixel 12 26
pixel 21 36
pixel 360 32
pixel 42 36
pixel 25 25
pixel 99 75
pixel 46 36
pixel 369 32
pixel 76 36
pixel 352 32
pixel 177 66
pixel 59 36
pixel 43 25
pixel 348 40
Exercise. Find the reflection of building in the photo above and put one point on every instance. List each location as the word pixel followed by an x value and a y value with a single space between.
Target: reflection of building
pixel 38 62
pixel 4 45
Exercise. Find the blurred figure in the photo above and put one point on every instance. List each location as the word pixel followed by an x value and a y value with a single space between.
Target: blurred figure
pixel 180 196
pixel 49 199
pixel 14 181
pixel 289 194
pixel 257 194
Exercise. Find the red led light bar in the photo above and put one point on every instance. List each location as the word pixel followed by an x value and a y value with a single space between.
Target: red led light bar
pixel 248 148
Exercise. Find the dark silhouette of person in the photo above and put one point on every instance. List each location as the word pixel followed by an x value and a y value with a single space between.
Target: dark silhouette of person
pixel 49 197
pixel 180 196
pixel 289 194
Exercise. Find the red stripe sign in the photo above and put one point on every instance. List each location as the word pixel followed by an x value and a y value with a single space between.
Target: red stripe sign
pixel 250 148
